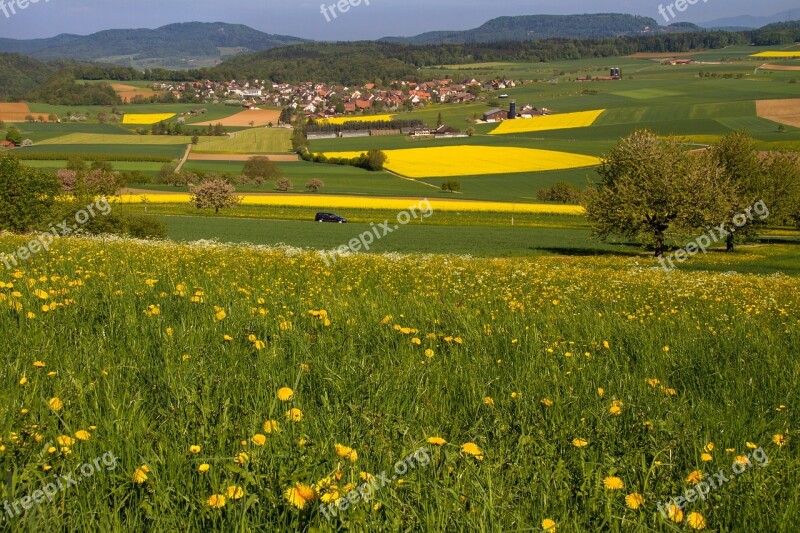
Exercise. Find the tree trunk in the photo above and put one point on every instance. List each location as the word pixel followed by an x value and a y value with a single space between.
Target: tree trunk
pixel 729 242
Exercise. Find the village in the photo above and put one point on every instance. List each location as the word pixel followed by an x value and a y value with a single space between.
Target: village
pixel 320 101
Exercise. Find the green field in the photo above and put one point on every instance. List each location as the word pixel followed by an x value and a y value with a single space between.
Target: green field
pixel 219 384
pixel 256 140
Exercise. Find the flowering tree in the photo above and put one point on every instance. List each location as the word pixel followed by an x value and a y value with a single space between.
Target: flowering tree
pixel 215 193
pixel 314 185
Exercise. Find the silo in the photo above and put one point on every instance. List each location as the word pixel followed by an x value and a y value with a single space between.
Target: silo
pixel 512 110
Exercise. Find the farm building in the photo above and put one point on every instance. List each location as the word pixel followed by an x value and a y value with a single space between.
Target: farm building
pixel 495 115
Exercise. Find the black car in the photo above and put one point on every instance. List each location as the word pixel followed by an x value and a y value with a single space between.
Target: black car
pixel 329 217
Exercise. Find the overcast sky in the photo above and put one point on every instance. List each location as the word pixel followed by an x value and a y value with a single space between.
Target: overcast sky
pixel 303 18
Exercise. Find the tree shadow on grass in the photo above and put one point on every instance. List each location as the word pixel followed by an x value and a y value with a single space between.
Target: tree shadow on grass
pixel 585 252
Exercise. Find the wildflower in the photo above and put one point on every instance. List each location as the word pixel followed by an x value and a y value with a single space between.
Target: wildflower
pixel 216 501
pixel 695 477
pixel 82 434
pixel 488 401
pixel 472 449
pixel 547 402
pixel 709 447
pixel 23 380
pixel 634 501
pixel 751 445
pixel 429 353
pixel 235 492
pixel 294 415
pixel 675 513
pixel 140 475
pixel 194 448
pixel 613 483
pixel 601 392
pixel 696 521
pixel 259 439
pixel 285 394
pixel 55 404
pixel 549 525
pixel 241 458
pixel 38 364
pixel 65 440
pixel 779 440
pixel 653 382
pixel 203 468
pixel 740 459
pixel 346 452
pixel 271 426
pixel 580 443
pixel 416 341
pixel 706 457
pixel 300 495
pixel 436 441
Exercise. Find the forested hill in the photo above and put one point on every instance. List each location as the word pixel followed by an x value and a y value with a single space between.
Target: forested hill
pixel 535 27
pixel 21 74
pixel 192 39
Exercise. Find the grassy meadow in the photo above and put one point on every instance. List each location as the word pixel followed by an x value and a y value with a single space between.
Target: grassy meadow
pixel 241 388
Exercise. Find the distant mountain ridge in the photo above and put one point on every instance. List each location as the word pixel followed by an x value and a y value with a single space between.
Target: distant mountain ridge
pixel 188 39
pixel 752 22
pixel 535 27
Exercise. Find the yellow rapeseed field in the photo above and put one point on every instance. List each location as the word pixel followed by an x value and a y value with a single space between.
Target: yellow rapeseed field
pixel 448 161
pixel 361 202
pixel 782 55
pixel 146 118
pixel 564 121
pixel 369 118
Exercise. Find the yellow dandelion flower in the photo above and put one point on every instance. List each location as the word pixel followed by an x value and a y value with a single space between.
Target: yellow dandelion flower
pixel 779 440
pixel 751 445
pixel 742 460
pixel 235 492
pixel 346 452
pixel 470 448
pixel 709 447
pixel 706 457
pixel 549 525
pixel 23 380
pixel 65 440
pixel 634 501
pixel 241 458
pixel 547 402
pixel 285 394
pixel 488 401
pixel 259 439
pixel 416 341
pixel 580 443
pixel 613 483
pixel 436 441
pixel 82 434
pixel 203 468
pixel 195 449
pixel 429 353
pixel 696 521
pixel 695 477
pixel 601 392
pixel 294 415
pixel 675 513
pixel 38 364
pixel 216 501
pixel 271 426
pixel 140 475
pixel 55 404
pixel 300 495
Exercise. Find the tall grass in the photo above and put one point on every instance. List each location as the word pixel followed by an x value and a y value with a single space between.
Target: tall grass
pixel 507 354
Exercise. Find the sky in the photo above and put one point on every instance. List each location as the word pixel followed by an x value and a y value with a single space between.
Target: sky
pixel 371 19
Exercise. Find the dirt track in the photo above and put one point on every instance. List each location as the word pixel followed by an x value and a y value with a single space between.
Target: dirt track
pixel 14 112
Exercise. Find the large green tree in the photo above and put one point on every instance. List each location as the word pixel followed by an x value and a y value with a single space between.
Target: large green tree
pixel 651 188
pixel 27 195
